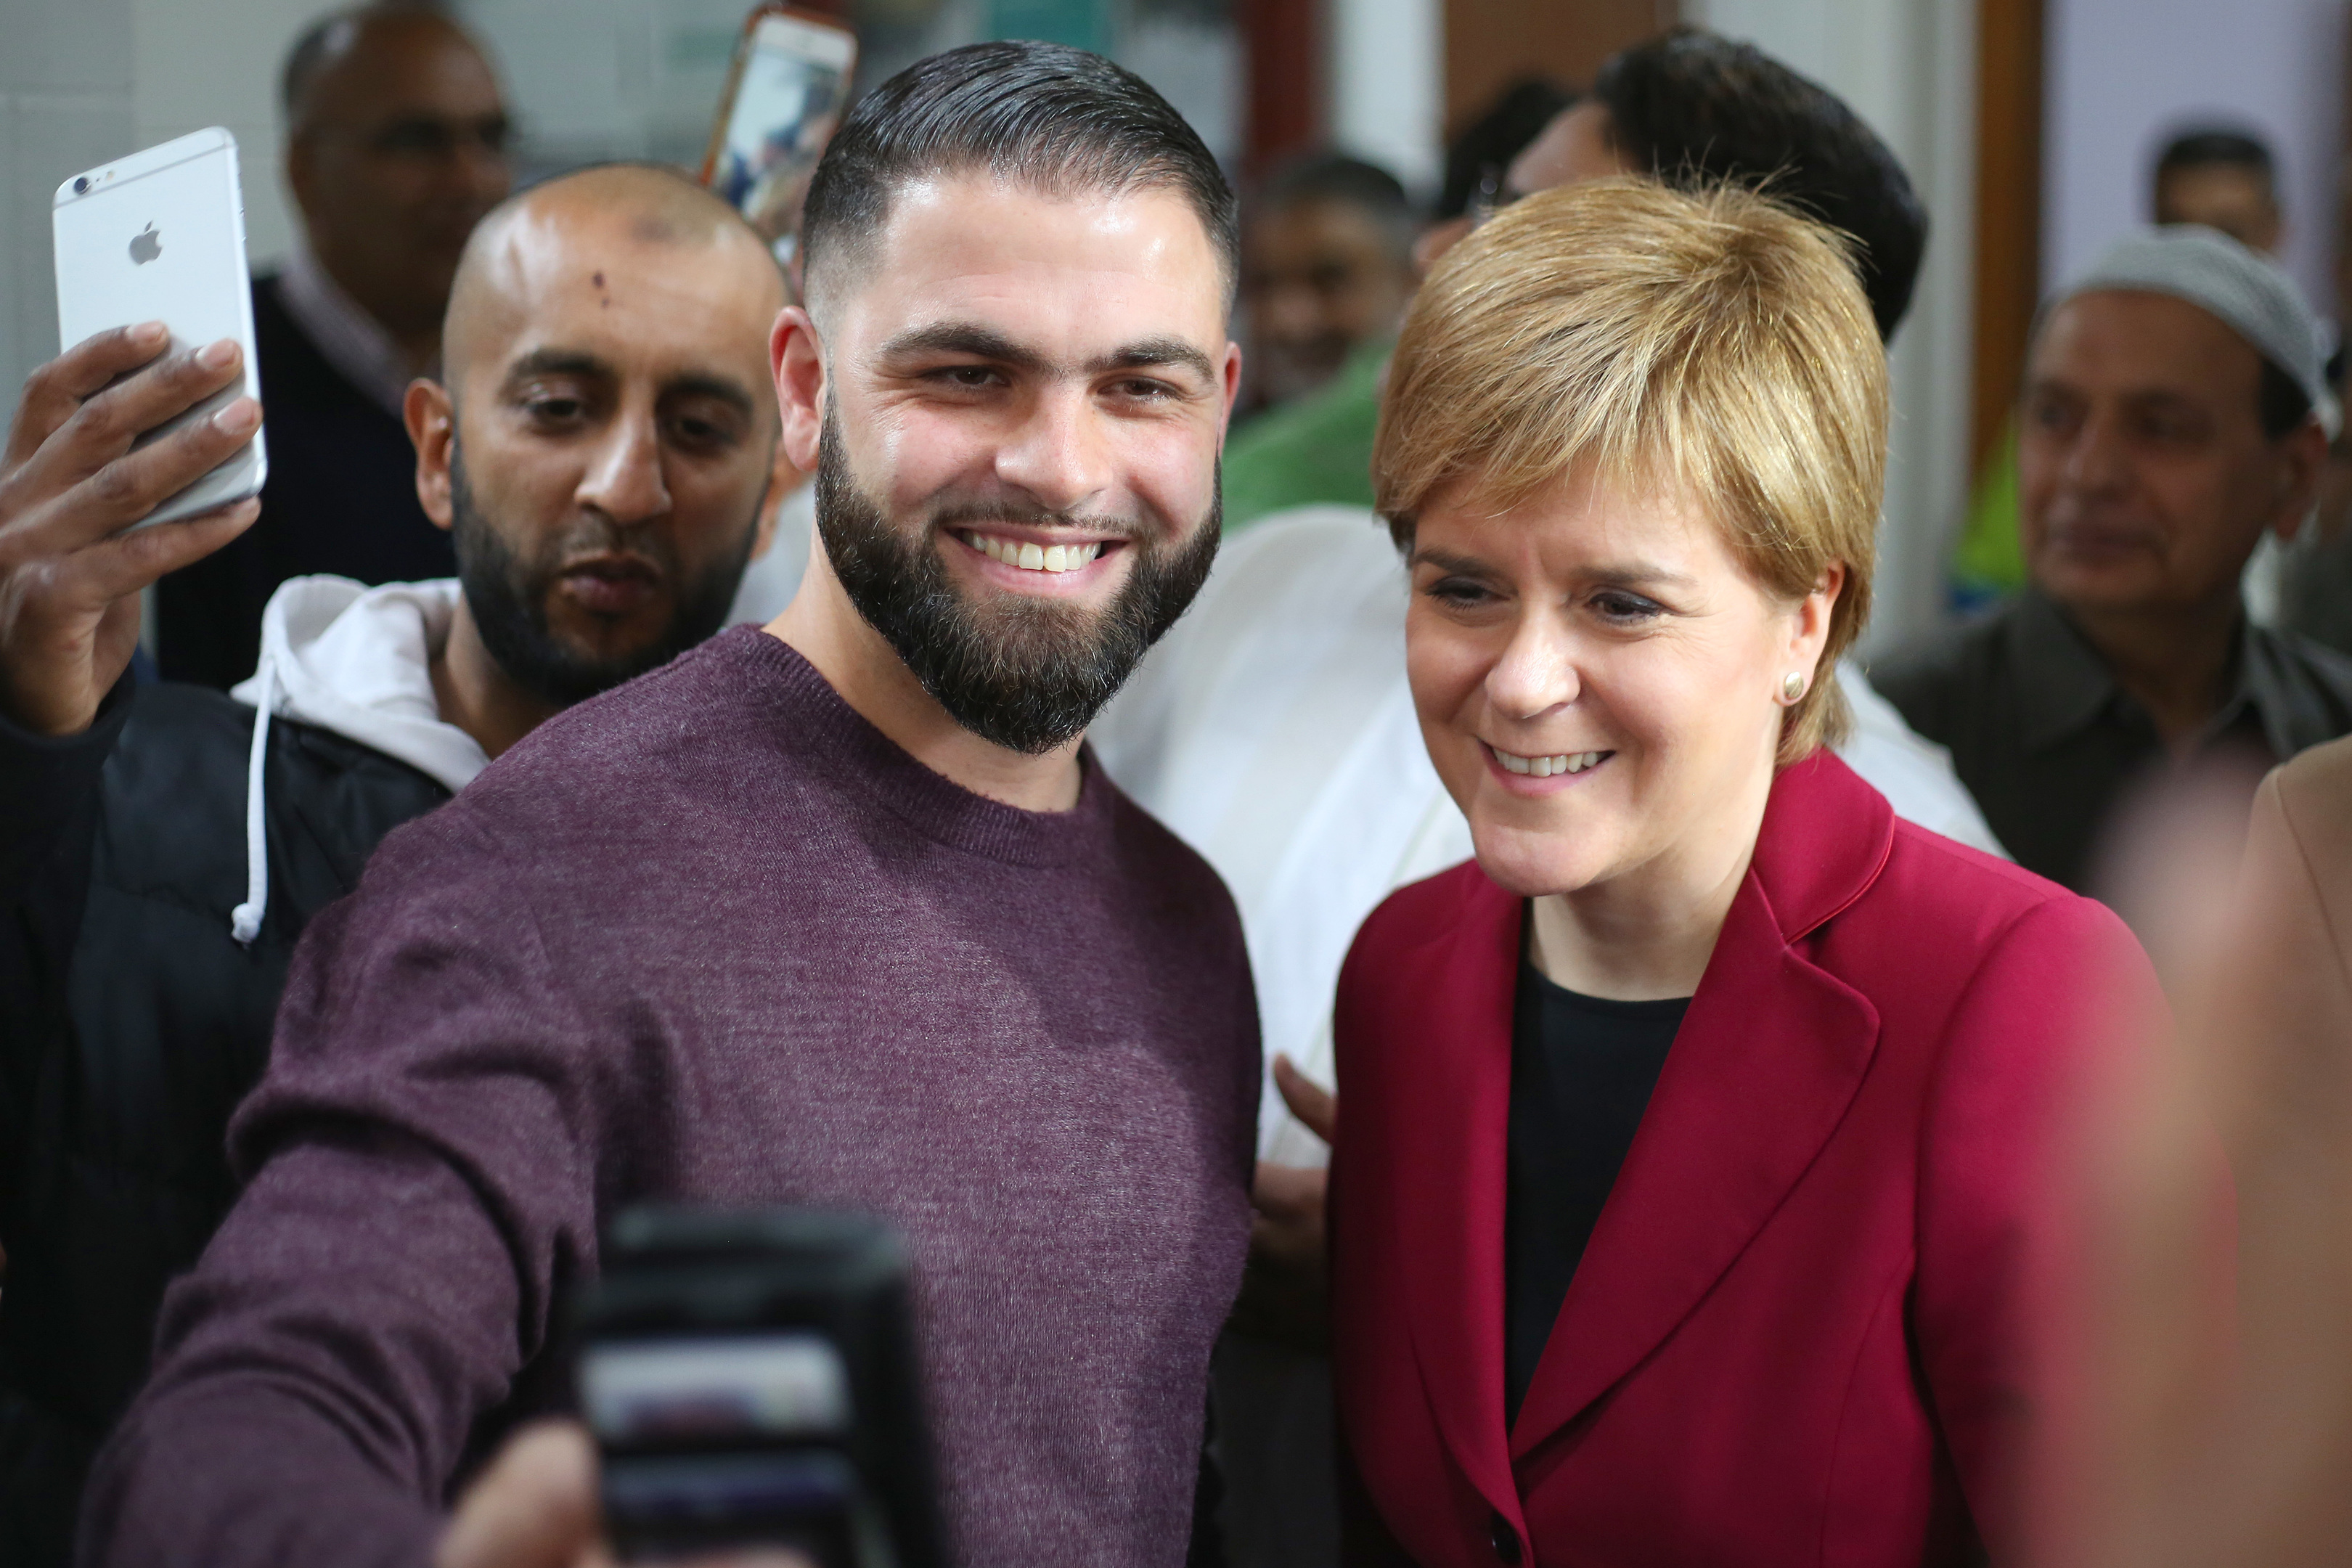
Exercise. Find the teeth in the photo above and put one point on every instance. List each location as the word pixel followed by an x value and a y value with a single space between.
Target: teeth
pixel 1545 767
pixel 1034 557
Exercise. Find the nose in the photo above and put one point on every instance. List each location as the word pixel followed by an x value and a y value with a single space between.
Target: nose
pixel 2096 459
pixel 1535 671
pixel 625 480
pixel 1058 456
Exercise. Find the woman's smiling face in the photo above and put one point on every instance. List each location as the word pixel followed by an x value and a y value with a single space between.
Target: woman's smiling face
pixel 1598 681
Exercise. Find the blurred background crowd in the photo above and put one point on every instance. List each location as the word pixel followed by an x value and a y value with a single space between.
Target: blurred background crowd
pixel 2034 131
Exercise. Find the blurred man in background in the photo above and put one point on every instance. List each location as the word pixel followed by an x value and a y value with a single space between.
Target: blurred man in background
pixel 395 146
pixel 1329 258
pixel 599 450
pixel 2171 419
pixel 2224 179
pixel 1327 268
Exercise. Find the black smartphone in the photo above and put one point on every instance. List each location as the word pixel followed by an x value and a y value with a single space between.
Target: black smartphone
pixel 749 1376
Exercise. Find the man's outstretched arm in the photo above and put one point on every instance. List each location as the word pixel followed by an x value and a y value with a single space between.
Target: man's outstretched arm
pixel 422 1188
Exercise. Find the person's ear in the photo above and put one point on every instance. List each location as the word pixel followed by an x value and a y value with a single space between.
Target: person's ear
pixel 1809 633
pixel 796 356
pixel 1232 387
pixel 432 420
pixel 2303 461
pixel 301 170
pixel 783 480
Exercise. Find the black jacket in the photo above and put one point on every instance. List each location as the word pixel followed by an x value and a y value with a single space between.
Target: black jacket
pixel 341 497
pixel 131 1023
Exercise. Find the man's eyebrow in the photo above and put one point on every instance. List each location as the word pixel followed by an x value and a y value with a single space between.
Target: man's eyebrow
pixel 558 362
pixel 726 389
pixel 988 344
pixel 962 338
pixel 1153 351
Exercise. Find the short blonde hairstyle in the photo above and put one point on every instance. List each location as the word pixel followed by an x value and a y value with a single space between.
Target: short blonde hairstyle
pixel 1716 344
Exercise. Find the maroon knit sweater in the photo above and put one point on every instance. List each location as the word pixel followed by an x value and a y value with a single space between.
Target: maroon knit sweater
pixel 713 938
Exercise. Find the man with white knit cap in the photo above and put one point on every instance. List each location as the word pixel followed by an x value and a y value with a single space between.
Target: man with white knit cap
pixel 2173 412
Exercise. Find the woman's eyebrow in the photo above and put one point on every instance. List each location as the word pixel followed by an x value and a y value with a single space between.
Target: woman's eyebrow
pixel 1623 574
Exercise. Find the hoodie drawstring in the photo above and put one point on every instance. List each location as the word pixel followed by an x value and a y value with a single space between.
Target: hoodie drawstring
pixel 245 921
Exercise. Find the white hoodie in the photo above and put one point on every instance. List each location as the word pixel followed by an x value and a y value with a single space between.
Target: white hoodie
pixel 358 661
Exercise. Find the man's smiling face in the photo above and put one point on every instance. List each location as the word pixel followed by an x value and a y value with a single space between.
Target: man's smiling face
pixel 1025 395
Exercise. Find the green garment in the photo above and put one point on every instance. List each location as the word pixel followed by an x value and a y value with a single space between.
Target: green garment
pixel 1989 561
pixel 1318 449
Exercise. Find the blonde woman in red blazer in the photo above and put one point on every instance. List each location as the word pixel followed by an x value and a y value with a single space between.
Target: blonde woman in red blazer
pixel 1637 490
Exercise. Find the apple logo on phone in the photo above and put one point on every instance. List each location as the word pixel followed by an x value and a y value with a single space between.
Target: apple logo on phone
pixel 145 246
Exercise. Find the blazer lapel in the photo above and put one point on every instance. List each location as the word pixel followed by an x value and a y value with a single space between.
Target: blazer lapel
pixel 1768 1057
pixel 1456 1134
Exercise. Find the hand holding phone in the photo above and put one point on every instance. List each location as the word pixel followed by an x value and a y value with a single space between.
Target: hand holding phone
pixel 534 1506
pixel 160 236
pixel 70 483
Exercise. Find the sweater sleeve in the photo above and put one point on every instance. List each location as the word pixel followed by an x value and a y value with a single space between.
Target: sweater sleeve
pixel 421 1190
pixel 2059 988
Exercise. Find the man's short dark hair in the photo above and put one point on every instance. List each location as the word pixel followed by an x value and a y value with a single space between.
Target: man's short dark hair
pixel 1343 181
pixel 1501 132
pixel 1049 117
pixel 2212 146
pixel 1698 109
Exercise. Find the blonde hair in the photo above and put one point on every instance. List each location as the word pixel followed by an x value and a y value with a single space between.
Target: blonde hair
pixel 1712 343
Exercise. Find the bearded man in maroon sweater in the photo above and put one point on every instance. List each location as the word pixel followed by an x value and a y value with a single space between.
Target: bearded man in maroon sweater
pixel 836 912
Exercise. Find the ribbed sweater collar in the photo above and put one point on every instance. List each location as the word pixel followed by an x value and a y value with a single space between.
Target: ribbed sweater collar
pixel 815 722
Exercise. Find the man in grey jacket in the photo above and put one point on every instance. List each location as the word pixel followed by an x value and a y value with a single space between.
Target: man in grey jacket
pixel 601 449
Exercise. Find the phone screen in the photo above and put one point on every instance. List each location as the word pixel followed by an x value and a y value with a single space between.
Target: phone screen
pixel 790 88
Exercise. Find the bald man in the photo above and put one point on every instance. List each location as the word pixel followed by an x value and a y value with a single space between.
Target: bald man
pixel 394 149
pixel 599 449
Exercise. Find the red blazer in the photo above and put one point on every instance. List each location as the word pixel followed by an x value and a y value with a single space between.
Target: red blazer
pixel 1796 1335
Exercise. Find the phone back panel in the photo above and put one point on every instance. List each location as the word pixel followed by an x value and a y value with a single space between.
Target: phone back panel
pixel 160 236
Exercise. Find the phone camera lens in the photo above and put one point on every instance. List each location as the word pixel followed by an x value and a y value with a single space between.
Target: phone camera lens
pixel 81 186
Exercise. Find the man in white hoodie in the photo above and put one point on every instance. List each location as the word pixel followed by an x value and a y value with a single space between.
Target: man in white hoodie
pixel 601 449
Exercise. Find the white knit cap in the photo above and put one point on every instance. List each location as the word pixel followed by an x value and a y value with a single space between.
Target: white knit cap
pixel 2248 293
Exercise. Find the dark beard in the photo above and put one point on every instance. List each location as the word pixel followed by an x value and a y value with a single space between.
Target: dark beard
pixel 507 597
pixel 1030 676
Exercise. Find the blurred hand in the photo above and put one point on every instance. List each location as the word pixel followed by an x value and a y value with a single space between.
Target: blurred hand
pixel 1285 1286
pixel 535 1507
pixel 69 586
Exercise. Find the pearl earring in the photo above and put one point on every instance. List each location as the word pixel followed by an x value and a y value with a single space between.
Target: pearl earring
pixel 1793 688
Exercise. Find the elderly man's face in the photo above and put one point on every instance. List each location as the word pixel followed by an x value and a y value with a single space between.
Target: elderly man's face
pixel 400 154
pixel 2146 479
pixel 1022 401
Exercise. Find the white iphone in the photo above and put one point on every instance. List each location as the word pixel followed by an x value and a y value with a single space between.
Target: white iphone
pixel 160 236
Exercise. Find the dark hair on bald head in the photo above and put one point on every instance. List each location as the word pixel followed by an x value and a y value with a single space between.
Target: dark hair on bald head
pixel 1698 109
pixel 1053 119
